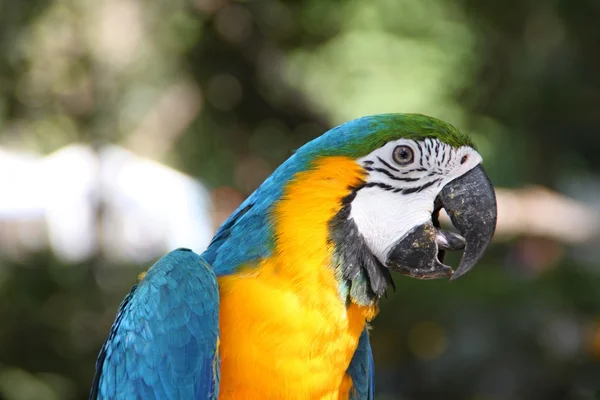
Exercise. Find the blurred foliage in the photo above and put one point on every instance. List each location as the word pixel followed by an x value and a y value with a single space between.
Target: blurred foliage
pixel 225 90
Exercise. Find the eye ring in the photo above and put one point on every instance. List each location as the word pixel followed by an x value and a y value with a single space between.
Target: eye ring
pixel 403 155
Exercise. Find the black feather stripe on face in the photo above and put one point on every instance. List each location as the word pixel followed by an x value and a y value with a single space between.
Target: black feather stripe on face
pixel 390 175
pixel 407 190
pixel 386 164
pixel 417 189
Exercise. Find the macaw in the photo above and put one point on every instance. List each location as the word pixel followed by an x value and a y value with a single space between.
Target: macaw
pixel 278 305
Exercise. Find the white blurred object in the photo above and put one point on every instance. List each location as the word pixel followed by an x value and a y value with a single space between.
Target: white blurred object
pixel 70 186
pixel 150 207
pixel 21 193
pixel 539 211
pixel 145 208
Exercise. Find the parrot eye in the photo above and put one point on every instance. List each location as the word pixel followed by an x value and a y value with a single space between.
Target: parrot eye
pixel 403 155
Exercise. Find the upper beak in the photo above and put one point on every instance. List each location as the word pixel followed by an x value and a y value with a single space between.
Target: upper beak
pixel 470 201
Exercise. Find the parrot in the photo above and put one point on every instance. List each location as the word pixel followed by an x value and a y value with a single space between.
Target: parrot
pixel 280 303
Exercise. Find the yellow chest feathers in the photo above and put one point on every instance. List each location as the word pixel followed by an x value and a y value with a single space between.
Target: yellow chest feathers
pixel 285 331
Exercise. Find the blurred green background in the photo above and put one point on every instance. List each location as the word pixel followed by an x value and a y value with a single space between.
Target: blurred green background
pixel 223 91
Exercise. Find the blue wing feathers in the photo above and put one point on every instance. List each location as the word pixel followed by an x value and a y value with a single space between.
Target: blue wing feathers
pixel 163 343
pixel 362 370
pixel 371 373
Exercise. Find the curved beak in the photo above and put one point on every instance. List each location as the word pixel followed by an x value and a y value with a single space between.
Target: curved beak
pixel 470 201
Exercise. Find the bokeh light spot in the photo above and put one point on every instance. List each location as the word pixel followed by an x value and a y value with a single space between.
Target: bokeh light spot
pixel 234 23
pixel 224 92
pixel 594 341
pixel 270 139
pixel 427 340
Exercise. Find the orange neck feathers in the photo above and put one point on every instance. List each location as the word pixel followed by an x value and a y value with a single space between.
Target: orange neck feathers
pixel 285 330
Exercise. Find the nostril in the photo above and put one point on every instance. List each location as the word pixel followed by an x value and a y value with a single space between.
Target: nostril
pixel 464 159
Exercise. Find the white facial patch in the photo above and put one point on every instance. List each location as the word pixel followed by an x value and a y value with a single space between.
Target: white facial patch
pixel 383 218
pixel 397 198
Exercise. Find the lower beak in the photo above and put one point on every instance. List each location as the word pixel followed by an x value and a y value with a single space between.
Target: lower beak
pixel 470 201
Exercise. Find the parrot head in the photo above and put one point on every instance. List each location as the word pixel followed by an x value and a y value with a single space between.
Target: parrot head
pixel 414 166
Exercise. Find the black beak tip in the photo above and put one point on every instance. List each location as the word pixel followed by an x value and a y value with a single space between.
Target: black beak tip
pixel 457 274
